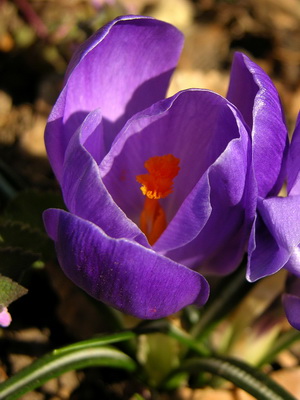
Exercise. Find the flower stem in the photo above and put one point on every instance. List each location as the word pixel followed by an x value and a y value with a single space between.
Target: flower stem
pixel 283 342
pixel 232 289
pixel 242 375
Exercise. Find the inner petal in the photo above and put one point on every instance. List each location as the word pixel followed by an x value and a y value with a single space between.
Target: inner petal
pixel 195 126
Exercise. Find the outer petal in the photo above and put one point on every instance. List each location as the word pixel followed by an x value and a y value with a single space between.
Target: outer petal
pixel 265 257
pixel 291 301
pixel 293 165
pixel 121 273
pixel 253 92
pixel 122 69
pixel 275 238
pixel 83 190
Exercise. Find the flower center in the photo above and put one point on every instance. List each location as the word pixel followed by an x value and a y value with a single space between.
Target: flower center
pixel 157 184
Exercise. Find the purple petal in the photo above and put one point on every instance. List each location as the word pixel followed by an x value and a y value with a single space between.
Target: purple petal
pixel 83 190
pixel 122 69
pixel 122 273
pixel 207 121
pixel 254 94
pixel 265 257
pixel 220 245
pixel 293 165
pixel 281 215
pixel 275 238
pixel 291 301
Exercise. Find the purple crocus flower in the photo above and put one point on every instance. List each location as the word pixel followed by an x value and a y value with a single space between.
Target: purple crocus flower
pixel 278 233
pixel 275 238
pixel 155 187
pixel 290 212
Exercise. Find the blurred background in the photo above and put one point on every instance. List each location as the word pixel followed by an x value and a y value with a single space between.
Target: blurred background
pixel 37 40
pixel 38 37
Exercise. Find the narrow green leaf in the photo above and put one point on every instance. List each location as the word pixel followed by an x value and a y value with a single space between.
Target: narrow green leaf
pixel 96 342
pixel 285 341
pixel 253 381
pixel 10 182
pixel 223 299
pixel 7 191
pixel 56 363
pixel 175 332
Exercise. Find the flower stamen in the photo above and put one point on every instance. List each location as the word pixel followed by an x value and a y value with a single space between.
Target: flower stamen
pixel 157 184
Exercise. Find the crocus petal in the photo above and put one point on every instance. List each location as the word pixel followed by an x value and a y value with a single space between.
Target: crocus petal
pixel 122 69
pixel 219 247
pixel 122 273
pixel 194 116
pixel 275 238
pixel 254 94
pixel 83 190
pixel 167 127
pixel 265 257
pixel 291 301
pixel 293 164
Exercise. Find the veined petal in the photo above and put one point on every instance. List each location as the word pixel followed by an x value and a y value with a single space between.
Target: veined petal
pixel 275 238
pixel 122 69
pixel 169 127
pixel 281 215
pixel 293 164
pixel 122 273
pixel 83 190
pixel 265 257
pixel 220 245
pixel 254 94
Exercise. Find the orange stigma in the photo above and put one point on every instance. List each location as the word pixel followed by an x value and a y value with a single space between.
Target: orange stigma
pixel 157 184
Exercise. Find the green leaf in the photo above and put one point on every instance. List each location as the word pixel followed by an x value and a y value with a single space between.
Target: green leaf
pixel 157 363
pixel 29 205
pixel 14 262
pixel 98 341
pixel 23 240
pixel 253 381
pixel 10 291
pixel 183 337
pixel 284 341
pixel 223 299
pixel 21 235
pixel 18 236
pixel 58 362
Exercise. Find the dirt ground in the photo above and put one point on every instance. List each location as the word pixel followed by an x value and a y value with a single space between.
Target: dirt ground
pixel 37 39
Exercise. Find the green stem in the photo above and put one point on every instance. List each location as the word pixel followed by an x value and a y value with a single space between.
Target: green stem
pixel 96 342
pixel 242 375
pixel 188 341
pixel 232 289
pixel 88 353
pixel 283 342
pixel 173 331
pixel 56 363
